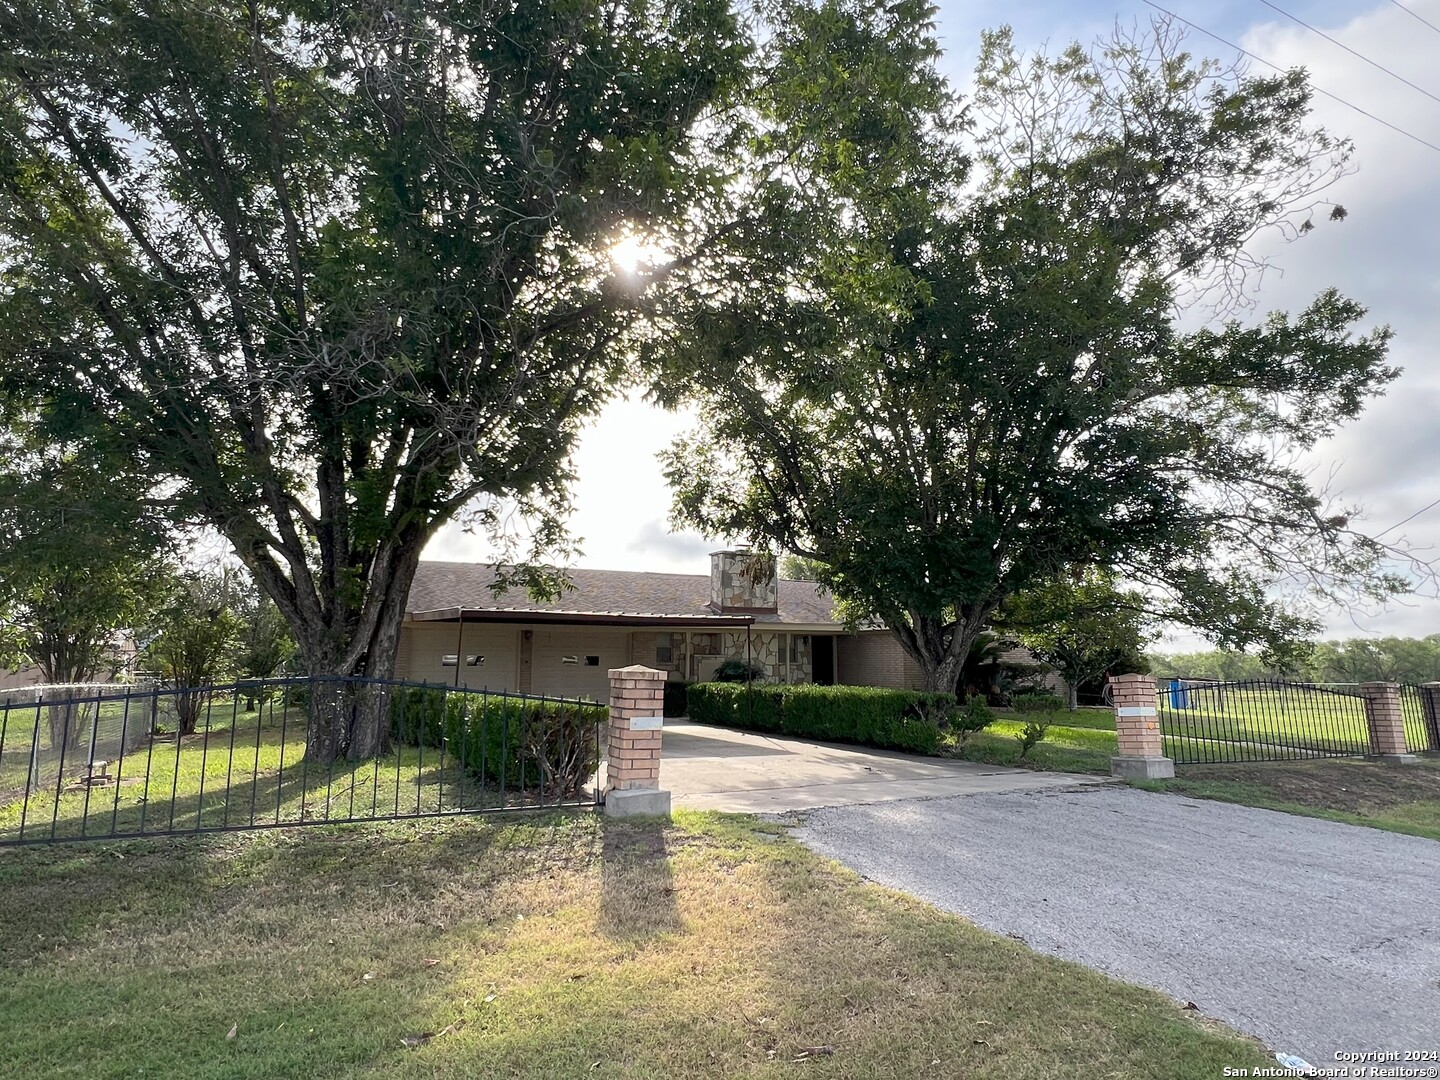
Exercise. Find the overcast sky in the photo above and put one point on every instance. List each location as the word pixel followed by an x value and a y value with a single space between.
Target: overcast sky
pixel 1386 254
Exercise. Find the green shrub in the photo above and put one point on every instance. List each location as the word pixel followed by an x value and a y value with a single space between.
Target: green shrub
pixel 523 743
pixel 737 670
pixel 868 715
pixel 1036 701
pixel 967 721
pixel 1031 735
pixel 676 699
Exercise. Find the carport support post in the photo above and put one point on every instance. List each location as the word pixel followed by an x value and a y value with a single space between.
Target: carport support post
pixel 632 764
pixel 1137 731
pixel 1386 721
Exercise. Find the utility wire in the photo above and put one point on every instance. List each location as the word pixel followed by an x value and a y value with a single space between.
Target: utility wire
pixel 1412 12
pixel 1277 67
pixel 1412 517
pixel 1352 52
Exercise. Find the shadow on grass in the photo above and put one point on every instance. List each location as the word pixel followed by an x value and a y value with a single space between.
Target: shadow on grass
pixel 637 881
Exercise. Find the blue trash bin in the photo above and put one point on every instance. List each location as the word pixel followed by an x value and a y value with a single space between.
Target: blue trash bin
pixel 1179 695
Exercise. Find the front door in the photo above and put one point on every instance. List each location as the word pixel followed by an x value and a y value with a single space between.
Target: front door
pixel 822 648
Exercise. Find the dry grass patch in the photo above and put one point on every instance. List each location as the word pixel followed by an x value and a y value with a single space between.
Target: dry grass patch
pixel 1398 798
pixel 563 947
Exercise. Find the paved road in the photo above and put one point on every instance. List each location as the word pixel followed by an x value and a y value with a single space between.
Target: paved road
pixel 1314 936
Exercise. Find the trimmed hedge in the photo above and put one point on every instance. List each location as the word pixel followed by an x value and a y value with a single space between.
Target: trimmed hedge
pixel 524 743
pixel 868 715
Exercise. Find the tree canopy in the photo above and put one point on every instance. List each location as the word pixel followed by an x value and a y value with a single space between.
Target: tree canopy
pixel 82 558
pixel 959 363
pixel 1084 629
pixel 332 276
pixel 1353 660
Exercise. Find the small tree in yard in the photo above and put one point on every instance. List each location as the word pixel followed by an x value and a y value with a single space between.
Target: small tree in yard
pixel 1083 629
pixel 955 369
pixel 263 642
pixel 79 563
pixel 195 643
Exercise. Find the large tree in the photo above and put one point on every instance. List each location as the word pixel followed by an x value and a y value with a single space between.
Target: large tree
pixel 968 360
pixel 332 275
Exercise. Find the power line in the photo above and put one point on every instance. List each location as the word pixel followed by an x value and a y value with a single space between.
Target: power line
pixel 1412 517
pixel 1277 67
pixel 1414 14
pixel 1352 52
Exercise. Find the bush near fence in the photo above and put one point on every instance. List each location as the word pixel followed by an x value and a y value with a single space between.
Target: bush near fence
pixel 522 743
pixel 868 715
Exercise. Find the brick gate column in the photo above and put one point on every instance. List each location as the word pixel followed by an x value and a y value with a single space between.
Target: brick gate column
pixel 1137 731
pixel 1386 721
pixel 632 763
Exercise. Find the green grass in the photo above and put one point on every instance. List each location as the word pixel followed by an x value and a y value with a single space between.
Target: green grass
pixel 557 947
pixel 1397 798
pixel 1066 748
pixel 243 768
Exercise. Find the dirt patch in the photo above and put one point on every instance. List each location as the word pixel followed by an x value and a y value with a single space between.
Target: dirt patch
pixel 1335 784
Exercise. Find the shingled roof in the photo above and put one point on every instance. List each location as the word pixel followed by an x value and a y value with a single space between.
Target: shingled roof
pixel 441 587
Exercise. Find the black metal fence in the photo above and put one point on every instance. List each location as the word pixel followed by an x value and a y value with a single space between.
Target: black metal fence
pixel 1420 706
pixel 1260 720
pixel 128 761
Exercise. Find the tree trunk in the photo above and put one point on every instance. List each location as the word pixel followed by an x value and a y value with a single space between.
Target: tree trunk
pixel 941 674
pixel 351 718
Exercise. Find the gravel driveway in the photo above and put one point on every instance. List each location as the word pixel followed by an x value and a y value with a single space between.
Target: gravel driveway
pixel 1314 936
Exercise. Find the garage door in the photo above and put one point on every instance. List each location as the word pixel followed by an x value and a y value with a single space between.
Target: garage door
pixel 577 663
pixel 489 662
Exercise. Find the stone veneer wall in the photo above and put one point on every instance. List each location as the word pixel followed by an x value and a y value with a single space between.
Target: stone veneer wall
pixel 737 582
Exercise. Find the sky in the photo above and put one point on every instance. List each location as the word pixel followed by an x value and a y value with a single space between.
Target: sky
pixel 1386 254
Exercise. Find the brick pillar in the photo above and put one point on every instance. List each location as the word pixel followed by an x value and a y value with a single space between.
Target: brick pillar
pixel 1430 704
pixel 1137 731
pixel 1386 722
pixel 632 763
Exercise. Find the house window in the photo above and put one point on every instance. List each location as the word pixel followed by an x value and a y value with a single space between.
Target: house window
pixel 592 661
pixel 472 660
pixel 799 648
pixel 449 660
pixel 664 651
pixel 569 659
pixel 475 660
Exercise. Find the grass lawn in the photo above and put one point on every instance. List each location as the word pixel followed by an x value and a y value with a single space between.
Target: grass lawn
pixel 1400 798
pixel 568 946
pixel 242 768
pixel 1080 742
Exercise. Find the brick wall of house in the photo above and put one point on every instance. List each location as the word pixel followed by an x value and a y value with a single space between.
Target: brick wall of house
pixel 875 658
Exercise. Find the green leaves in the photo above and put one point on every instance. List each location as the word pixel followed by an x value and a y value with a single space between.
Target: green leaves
pixel 329 276
pixel 954 368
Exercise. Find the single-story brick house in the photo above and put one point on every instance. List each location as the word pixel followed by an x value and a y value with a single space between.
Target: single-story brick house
pixel 685 624
pixel 458 631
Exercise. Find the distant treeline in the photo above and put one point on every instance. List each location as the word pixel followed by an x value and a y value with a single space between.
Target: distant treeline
pixel 1392 659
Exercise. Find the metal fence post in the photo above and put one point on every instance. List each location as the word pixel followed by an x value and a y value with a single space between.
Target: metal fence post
pixel 637 705
pixel 1137 731
pixel 1386 720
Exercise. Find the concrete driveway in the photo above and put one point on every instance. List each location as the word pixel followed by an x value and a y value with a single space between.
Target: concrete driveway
pixel 1314 936
pixel 709 768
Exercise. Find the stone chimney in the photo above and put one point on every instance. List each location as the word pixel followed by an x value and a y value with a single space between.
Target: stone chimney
pixel 743 582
